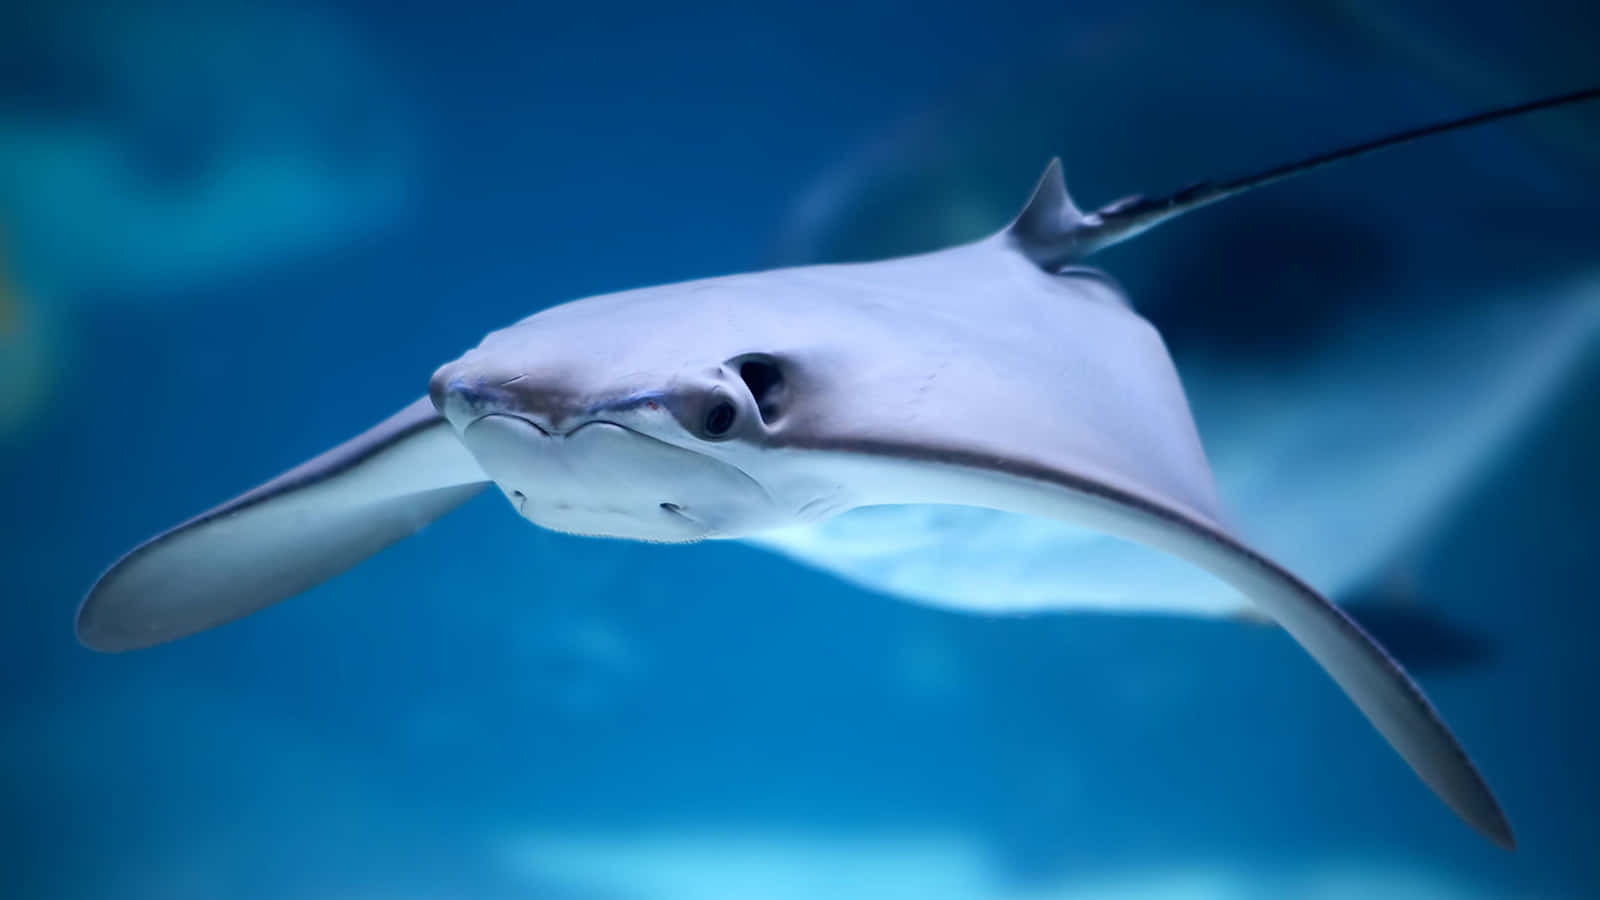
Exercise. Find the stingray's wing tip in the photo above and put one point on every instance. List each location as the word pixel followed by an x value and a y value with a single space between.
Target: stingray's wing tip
pixel 108 640
pixel 94 634
pixel 1489 820
pixel 1371 678
pixel 109 620
pixel 285 537
pixel 1467 794
pixel 93 627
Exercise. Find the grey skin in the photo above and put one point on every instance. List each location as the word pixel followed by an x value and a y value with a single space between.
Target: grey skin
pixel 981 375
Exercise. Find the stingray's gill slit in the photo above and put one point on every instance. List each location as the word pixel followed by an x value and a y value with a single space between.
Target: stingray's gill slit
pixel 763 377
pixel 738 406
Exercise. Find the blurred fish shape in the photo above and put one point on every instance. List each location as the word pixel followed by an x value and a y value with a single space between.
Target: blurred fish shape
pixel 149 150
pixel 152 147
pixel 997 374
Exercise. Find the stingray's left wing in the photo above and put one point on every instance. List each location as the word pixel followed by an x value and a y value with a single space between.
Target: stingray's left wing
pixel 934 472
pixel 1052 398
pixel 296 531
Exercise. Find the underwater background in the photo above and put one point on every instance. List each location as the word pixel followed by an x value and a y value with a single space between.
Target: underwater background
pixel 234 233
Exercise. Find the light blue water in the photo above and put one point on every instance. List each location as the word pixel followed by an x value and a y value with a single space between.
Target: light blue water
pixel 257 231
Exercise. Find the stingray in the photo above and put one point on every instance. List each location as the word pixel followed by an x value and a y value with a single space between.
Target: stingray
pixel 998 374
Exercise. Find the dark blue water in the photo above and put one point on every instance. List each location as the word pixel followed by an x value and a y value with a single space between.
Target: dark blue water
pixel 490 710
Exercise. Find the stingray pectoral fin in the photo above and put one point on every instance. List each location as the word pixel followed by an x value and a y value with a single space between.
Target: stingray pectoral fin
pixel 1379 687
pixel 286 536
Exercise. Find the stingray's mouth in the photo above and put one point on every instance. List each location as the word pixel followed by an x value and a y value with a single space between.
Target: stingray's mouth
pixel 546 432
pixel 604 478
pixel 597 476
pixel 513 439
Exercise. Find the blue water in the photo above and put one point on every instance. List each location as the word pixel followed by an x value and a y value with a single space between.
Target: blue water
pixel 493 711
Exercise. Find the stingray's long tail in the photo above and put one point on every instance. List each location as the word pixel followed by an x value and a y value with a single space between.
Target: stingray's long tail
pixel 1053 233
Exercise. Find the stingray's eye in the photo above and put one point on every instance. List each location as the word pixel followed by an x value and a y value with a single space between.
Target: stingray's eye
pixel 719 418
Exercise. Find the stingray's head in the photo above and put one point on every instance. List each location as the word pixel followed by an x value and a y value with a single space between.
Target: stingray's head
pixel 585 433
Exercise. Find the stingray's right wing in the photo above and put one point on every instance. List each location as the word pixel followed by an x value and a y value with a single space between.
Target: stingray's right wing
pixel 286 536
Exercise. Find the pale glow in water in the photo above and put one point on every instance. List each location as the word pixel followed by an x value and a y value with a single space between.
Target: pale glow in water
pixel 692 864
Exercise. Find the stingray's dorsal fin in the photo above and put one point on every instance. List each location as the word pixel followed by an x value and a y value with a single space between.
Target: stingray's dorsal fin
pixel 1049 213
pixel 1053 233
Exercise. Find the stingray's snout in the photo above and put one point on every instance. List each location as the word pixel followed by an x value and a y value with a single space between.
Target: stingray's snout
pixel 459 399
pixel 464 397
pixel 463 394
pixel 439 388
